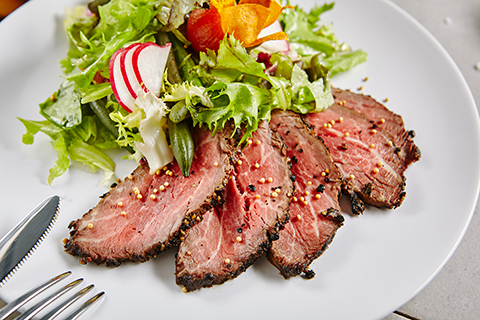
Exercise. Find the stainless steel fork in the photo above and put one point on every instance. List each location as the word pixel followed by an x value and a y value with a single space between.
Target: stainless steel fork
pixel 13 306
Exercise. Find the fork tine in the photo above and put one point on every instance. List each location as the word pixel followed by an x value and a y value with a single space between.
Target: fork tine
pixel 20 301
pixel 77 313
pixel 29 314
pixel 55 312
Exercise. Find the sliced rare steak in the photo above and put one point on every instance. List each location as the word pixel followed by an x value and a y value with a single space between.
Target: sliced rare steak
pixel 147 213
pixel 314 211
pixel 364 153
pixel 384 119
pixel 236 232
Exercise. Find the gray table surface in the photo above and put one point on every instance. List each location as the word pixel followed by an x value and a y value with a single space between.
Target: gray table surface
pixel 455 292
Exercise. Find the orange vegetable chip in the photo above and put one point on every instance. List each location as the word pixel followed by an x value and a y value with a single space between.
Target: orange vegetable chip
pixel 274 36
pixel 244 21
pixel 274 6
pixel 219 4
pixel 265 3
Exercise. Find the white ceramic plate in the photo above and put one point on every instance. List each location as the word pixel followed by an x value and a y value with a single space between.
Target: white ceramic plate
pixel 377 261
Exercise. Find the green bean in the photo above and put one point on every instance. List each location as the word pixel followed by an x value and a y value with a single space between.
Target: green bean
pixel 173 74
pixel 182 144
pixel 98 107
pixel 178 112
pixel 184 61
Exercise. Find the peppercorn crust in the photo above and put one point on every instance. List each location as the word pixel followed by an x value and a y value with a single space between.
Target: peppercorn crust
pixel 238 231
pixel 370 163
pixel 384 119
pixel 314 210
pixel 146 214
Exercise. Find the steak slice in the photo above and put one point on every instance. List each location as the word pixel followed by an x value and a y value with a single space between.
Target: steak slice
pixel 314 211
pixel 235 233
pixel 147 213
pixel 365 155
pixel 384 119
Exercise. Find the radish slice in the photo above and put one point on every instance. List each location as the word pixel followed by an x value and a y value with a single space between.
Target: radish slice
pixel 127 69
pixel 137 68
pixel 119 85
pixel 149 65
pixel 273 45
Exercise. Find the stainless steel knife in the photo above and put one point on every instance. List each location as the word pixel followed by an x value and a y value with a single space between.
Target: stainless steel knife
pixel 20 242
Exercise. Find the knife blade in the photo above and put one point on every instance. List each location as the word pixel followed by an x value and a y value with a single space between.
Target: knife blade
pixel 22 240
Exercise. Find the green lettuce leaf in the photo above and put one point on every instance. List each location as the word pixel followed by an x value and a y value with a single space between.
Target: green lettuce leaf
pixel 128 134
pixel 241 91
pixel 76 133
pixel 231 63
pixel 63 162
pixel 33 127
pixel 303 29
pixel 92 157
pixel 241 102
pixel 308 37
pixel 173 12
pixel 64 107
pixel 89 135
pixel 344 61
pixel 309 96
pixel 95 92
pixel 94 40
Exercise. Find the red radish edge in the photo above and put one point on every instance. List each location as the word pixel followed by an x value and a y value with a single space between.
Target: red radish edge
pixel 137 72
pixel 115 56
pixel 124 70
pixel 135 58
pixel 119 79
pixel 282 46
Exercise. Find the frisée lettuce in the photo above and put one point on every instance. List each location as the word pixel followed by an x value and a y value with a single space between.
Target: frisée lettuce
pixel 241 89
pixel 83 118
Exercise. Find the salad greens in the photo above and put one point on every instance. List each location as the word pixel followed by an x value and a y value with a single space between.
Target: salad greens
pixel 83 117
pixel 93 40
